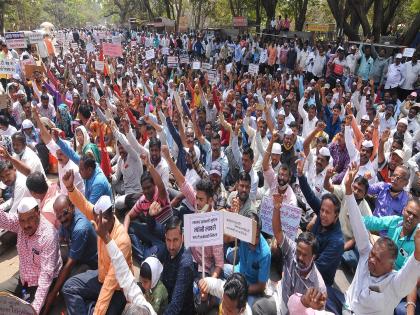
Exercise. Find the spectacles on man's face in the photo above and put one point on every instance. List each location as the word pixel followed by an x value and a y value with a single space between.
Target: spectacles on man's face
pixel 65 213
pixel 396 177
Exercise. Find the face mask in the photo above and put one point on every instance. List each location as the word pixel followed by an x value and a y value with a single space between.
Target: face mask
pixel 302 269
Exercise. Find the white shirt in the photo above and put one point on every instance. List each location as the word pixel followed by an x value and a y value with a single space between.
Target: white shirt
pixel 351 63
pixel 8 132
pixel 31 159
pixel 125 278
pixel 410 74
pixel 376 295
pixel 20 191
pixel 78 180
pixel 384 123
pixel 308 125
pixel 394 76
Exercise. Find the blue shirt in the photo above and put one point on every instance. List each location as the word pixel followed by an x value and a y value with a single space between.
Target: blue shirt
pixel 385 204
pixel 81 239
pixel 393 225
pixel 332 128
pixel 95 186
pixel 330 239
pixel 254 264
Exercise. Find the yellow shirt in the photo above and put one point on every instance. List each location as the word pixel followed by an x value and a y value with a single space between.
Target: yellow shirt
pixel 106 273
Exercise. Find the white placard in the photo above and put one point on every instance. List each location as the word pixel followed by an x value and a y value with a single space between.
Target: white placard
pixel 184 59
pixel 253 68
pixel 90 48
pixel 15 40
pixel 150 54
pixel 205 66
pixel 239 226
pixel 172 61
pixel 203 229
pixel 99 65
pixel 409 52
pixel 165 51
pixel 228 67
pixel 74 46
pixel 101 35
pixel 212 76
pixel 35 37
pixel 290 217
pixel 116 39
pixel 12 305
pixel 196 65
pixel 7 67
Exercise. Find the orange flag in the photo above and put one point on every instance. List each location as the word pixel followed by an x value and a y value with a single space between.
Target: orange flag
pixel 105 161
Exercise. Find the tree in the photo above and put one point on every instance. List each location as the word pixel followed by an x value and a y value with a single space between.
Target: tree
pixel 270 10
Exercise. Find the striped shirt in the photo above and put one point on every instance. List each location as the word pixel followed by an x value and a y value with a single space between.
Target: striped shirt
pixel 143 204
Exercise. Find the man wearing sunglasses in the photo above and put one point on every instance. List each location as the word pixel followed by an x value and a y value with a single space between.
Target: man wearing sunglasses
pixel 78 235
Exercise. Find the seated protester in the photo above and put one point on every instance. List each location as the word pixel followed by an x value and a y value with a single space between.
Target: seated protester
pixel 96 184
pixel 401 230
pixel 239 201
pixel 130 168
pixel 362 156
pixel 153 210
pixel 254 263
pixel 360 188
pixel 340 156
pixel 391 198
pixel 16 182
pixel 279 183
pixel 300 271
pixel 44 194
pixel 77 232
pixel 327 228
pixel 25 154
pixel 178 270
pixel 84 146
pixel 388 165
pixel 97 287
pixel 6 129
pixel 245 160
pixel 233 293
pixel 46 108
pixel 38 249
pixel 376 288
pixel 308 303
pixel 136 301
pixel 331 117
pixel 30 133
pixel 64 162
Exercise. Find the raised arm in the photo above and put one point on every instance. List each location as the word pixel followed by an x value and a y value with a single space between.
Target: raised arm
pixel 276 219
pixel 307 143
pixel 327 184
pixel 307 191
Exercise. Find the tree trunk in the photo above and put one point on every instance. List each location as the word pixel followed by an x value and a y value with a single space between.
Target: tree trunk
pixel 377 19
pixel 359 8
pixel 301 16
pixel 150 14
pixel 258 15
pixel 232 8
pixel 270 10
pixel 388 15
pixel 2 9
pixel 337 12
pixel 410 34
pixel 200 5
pixel 168 9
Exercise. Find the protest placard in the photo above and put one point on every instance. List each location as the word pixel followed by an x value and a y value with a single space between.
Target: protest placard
pixel 253 68
pixel 112 50
pixel 239 226
pixel 205 66
pixel 150 54
pixel 99 65
pixel 7 67
pixel 116 40
pixel 172 61
pixel 290 217
pixel 102 35
pixel 228 67
pixel 15 40
pixel 74 46
pixel 30 69
pixel 212 76
pixel 196 65
pixel 165 51
pixel 408 52
pixel 4 101
pixel 36 37
pixel 90 48
pixel 184 59
pixel 203 229
pixel 12 305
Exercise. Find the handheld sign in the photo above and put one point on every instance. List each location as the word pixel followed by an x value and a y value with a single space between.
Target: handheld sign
pixel 112 50
pixel 116 40
pixel 196 65
pixel 203 229
pixel 228 67
pixel 205 66
pixel 150 54
pixel 290 217
pixel 172 61
pixel 253 68
pixel 74 46
pixel 165 51
pixel 239 226
pixel 184 59
pixel 12 305
pixel 30 69
pixel 90 48
pixel 35 37
pixel 408 52
pixel 7 67
pixel 99 65
pixel 15 40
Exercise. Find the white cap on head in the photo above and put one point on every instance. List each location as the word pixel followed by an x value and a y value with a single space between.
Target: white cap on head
pixel 403 121
pixel 400 153
pixel 367 144
pixel 365 117
pixel 399 56
pixel 27 124
pixel 27 204
pixel 281 112
pixel 324 151
pixel 276 148
pixel 288 132
pixel 103 204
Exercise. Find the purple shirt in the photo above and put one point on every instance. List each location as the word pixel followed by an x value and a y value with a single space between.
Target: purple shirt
pixel 385 204
pixel 341 160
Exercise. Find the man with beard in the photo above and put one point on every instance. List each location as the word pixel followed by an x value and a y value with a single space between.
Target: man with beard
pixel 396 157
pixel 363 156
pixel 401 131
pixel 300 271
pixel 14 180
pixel 278 183
pixel 25 155
pixel 327 228
pixel 78 233
pixel 332 119
pixel 391 198
pixel 239 201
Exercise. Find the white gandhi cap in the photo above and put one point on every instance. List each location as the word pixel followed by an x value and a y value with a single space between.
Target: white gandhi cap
pixel 102 205
pixel 27 204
